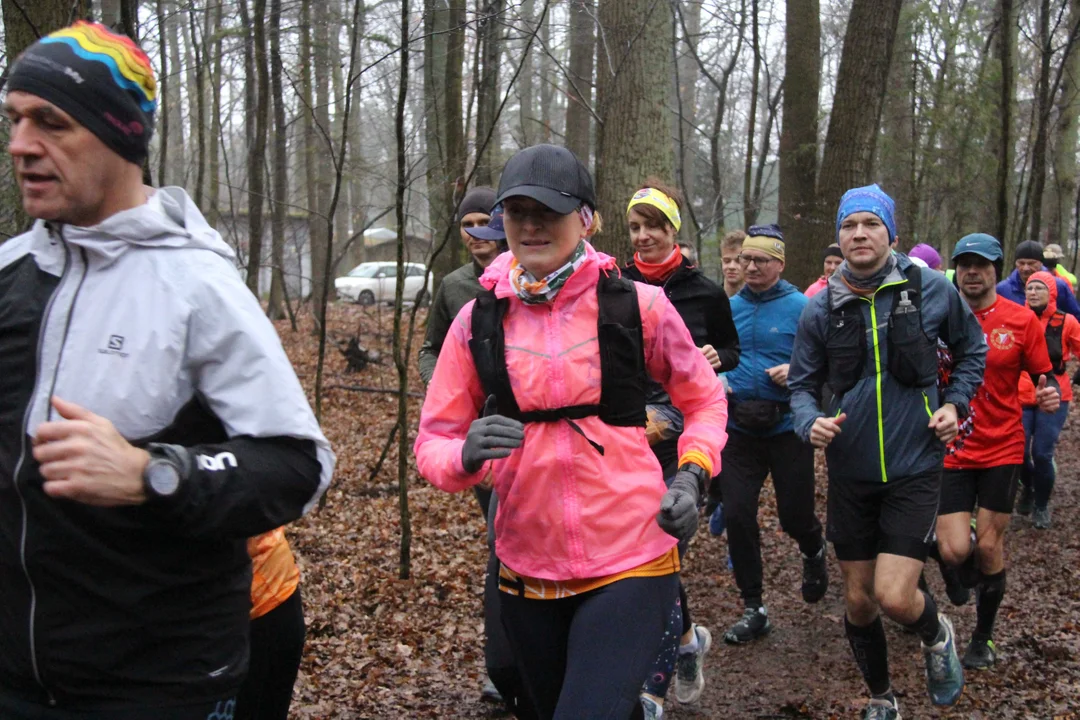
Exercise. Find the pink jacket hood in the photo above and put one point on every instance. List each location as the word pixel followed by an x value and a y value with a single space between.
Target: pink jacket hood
pixel 565 511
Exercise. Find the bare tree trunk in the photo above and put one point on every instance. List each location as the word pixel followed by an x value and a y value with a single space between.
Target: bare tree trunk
pixel 320 250
pixel 749 208
pixel 856 112
pixel 275 309
pixel 896 160
pixel 444 54
pixel 799 136
pixel 176 170
pixel 198 106
pixel 686 135
pixel 336 63
pixel 311 154
pixel 164 82
pixel 1006 51
pixel 1060 219
pixel 1043 99
pixel 214 144
pixel 487 99
pixel 401 359
pixel 579 81
pixel 633 141
pixel 547 85
pixel 525 91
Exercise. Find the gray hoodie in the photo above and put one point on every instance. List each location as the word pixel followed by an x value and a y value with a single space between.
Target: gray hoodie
pixel 886 434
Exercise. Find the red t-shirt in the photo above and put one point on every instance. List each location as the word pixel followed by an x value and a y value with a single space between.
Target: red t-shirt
pixel 1016 344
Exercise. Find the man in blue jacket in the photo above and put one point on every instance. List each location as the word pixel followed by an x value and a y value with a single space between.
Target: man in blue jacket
pixel 1029 260
pixel 872 336
pixel 760 433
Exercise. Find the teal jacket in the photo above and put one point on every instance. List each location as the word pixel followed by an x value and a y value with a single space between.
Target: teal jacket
pixel 766 323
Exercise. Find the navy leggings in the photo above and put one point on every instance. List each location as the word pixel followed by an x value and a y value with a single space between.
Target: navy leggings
pixel 587 656
pixel 277 646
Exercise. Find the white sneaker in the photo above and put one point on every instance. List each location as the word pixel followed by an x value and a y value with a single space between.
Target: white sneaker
pixel 689 666
pixel 653 710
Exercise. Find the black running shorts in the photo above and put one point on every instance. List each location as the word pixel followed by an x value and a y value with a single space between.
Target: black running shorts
pixel 993 488
pixel 895 517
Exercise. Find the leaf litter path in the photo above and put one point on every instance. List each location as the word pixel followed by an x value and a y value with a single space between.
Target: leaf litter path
pixel 379 647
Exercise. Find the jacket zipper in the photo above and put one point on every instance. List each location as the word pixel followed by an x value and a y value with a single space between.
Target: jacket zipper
pixel 877 379
pixel 22 451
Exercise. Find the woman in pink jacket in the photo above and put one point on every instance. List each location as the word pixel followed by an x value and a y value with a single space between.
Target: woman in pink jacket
pixel 541 379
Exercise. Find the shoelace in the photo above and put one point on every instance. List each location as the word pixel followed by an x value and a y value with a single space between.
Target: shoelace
pixel 939 664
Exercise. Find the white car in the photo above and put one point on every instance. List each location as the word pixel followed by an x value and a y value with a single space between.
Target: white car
pixel 372 282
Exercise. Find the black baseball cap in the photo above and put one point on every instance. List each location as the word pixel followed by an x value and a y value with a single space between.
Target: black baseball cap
pixel 549 174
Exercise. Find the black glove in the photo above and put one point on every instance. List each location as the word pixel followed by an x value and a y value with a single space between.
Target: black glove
pixel 490 436
pixel 678 514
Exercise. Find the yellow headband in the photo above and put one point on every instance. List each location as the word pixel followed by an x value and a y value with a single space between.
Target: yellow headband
pixel 768 245
pixel 660 201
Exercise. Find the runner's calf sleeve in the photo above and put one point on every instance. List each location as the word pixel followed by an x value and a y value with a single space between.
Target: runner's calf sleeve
pixel 927 626
pixel 987 601
pixel 871 653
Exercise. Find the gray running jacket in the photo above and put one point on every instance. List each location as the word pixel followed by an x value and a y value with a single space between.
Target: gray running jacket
pixel 142 319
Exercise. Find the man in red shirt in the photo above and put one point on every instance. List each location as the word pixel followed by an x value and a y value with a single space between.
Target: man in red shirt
pixel 984 471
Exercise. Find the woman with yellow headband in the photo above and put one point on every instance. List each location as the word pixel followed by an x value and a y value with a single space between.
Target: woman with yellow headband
pixel 654 218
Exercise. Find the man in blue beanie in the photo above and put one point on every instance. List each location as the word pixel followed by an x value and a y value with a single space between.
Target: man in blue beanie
pixel 872 337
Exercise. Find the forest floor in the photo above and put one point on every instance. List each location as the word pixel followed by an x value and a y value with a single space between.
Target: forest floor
pixel 381 647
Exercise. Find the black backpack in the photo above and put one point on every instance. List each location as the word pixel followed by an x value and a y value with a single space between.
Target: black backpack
pixel 622 359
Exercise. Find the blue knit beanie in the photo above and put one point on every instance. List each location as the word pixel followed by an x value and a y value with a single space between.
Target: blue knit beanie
pixel 872 199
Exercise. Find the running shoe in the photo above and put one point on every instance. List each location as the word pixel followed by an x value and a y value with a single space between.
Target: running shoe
pixel 1026 501
pixel 944 674
pixel 1040 519
pixel 882 709
pixel 690 666
pixel 716 521
pixel 981 654
pixel 490 693
pixel 653 710
pixel 753 624
pixel 815 576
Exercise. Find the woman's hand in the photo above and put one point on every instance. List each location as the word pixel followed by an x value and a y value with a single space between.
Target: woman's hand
pixel 490 437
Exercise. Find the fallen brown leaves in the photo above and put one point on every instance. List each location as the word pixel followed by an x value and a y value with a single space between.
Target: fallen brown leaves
pixel 379 647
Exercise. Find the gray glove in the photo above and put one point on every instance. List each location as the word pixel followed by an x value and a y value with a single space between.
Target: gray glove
pixel 490 436
pixel 678 514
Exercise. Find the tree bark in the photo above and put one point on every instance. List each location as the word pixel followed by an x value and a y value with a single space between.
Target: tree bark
pixel 896 160
pixel 165 111
pixel 1005 47
pixel 316 226
pixel 444 55
pixel 579 81
pixel 799 134
pixel 856 112
pixel 198 104
pixel 1043 100
pixel 634 139
pixel 276 309
pixel 686 129
pixel 749 207
pixel 1060 220
pixel 176 171
pixel 320 249
pixel 214 144
pixel 487 98
pixel 526 91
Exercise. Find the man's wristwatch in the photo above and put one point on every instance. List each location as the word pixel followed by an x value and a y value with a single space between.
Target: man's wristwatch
pixel 698 472
pixel 164 474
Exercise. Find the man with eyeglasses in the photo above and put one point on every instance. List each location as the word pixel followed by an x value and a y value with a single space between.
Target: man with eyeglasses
pixel 761 437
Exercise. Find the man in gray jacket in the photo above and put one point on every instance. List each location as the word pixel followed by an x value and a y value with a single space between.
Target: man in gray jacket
pixel 150 421
pixel 871 336
pixel 463 284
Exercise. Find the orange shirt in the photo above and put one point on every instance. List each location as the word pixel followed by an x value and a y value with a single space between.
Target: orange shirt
pixel 1070 347
pixel 1015 342
pixel 275 575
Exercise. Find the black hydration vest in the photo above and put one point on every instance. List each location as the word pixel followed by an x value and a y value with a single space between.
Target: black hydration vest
pixel 1054 330
pixel 913 357
pixel 622 359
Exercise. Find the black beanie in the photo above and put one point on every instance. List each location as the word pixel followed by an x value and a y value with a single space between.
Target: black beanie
pixel 832 251
pixel 101 79
pixel 1030 250
pixel 478 200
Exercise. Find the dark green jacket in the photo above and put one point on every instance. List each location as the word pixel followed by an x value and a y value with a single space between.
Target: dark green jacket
pixel 455 290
